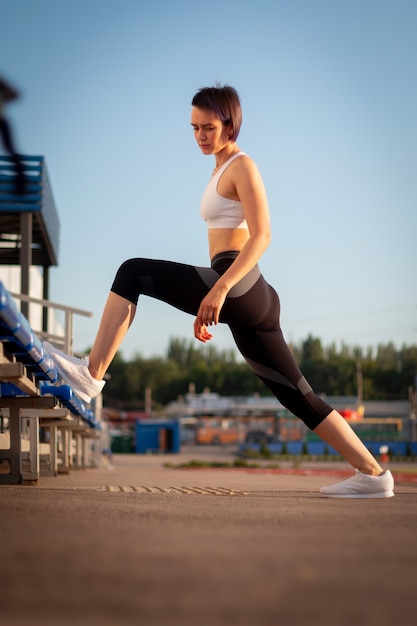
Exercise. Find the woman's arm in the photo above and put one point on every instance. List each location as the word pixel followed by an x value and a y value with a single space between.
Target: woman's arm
pixel 251 193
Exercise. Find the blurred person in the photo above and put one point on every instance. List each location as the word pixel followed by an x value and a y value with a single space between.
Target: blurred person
pixel 231 291
pixel 8 94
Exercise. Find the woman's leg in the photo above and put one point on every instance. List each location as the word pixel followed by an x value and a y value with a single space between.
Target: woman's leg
pixel 261 343
pixel 175 283
pixel 182 286
pixel 270 358
pixel 117 317
pixel 268 355
pixel 335 431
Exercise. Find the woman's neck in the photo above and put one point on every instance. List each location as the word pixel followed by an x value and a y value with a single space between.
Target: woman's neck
pixel 225 154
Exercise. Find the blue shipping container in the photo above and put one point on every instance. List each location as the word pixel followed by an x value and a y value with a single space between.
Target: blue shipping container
pixel 157 436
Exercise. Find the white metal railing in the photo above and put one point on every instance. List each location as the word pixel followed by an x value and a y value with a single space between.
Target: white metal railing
pixel 67 340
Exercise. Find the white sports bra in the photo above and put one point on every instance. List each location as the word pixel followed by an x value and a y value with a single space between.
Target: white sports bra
pixel 218 211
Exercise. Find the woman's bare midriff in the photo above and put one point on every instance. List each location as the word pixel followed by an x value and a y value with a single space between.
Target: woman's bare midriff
pixel 226 239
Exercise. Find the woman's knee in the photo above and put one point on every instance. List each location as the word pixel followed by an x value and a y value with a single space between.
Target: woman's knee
pixel 126 283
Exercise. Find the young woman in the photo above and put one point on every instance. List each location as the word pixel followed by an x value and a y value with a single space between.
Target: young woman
pixel 232 291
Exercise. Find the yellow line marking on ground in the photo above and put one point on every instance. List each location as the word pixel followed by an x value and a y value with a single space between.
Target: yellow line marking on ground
pixel 205 491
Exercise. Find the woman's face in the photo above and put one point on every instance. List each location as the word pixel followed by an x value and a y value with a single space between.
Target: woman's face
pixel 209 132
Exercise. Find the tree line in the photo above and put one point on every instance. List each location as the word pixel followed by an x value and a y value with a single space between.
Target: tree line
pixel 384 373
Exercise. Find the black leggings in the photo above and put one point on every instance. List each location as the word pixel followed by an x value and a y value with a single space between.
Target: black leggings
pixel 251 311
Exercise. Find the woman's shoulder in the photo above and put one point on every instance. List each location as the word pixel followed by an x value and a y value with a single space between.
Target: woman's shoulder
pixel 245 165
pixel 245 176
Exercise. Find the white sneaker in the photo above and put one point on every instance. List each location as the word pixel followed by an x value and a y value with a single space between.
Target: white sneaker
pixel 75 373
pixel 362 486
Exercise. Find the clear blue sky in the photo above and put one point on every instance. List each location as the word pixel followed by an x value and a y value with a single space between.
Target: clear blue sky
pixel 329 96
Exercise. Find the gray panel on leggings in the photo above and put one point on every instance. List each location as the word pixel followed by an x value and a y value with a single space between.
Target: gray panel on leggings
pixel 268 373
pixel 245 284
pixel 304 386
pixel 207 275
pixel 210 276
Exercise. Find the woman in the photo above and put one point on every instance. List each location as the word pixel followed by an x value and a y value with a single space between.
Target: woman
pixel 232 291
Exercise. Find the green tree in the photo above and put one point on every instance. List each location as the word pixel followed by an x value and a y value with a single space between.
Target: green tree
pixel 386 375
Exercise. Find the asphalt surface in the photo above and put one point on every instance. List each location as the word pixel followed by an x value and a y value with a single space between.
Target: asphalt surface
pixel 140 543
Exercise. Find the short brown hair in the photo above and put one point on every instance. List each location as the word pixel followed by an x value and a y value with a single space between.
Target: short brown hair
pixel 224 102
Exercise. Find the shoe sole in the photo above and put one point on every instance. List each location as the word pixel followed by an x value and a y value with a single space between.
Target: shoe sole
pixel 383 494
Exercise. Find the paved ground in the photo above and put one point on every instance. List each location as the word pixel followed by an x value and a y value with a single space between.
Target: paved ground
pixel 156 546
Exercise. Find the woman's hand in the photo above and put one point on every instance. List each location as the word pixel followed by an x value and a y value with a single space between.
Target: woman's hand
pixel 201 333
pixel 209 312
